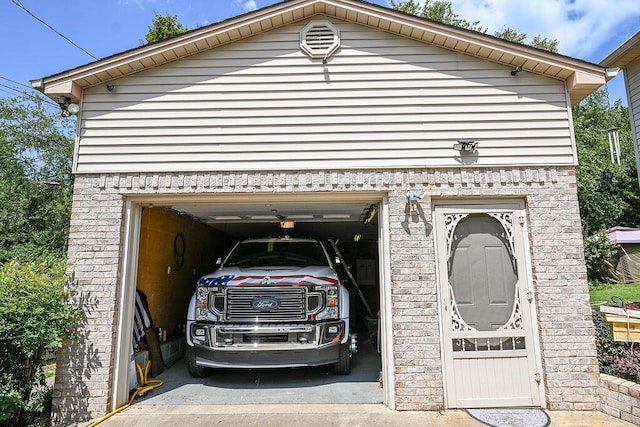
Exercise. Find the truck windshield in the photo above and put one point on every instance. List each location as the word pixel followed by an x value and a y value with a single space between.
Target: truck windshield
pixel 277 253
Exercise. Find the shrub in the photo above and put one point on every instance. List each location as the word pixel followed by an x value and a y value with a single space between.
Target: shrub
pixel 619 359
pixel 599 254
pixel 36 313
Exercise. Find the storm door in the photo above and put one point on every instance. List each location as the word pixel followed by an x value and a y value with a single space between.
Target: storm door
pixel 490 358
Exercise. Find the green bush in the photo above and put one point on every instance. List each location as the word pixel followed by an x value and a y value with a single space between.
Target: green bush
pixel 36 314
pixel 619 359
pixel 599 255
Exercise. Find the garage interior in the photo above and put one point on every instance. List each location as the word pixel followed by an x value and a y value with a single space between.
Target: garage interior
pixel 180 242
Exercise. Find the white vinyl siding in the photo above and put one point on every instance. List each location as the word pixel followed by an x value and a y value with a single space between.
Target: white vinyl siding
pixel 632 80
pixel 381 101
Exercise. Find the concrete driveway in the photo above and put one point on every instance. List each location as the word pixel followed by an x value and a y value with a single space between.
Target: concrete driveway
pixel 321 415
pixel 296 397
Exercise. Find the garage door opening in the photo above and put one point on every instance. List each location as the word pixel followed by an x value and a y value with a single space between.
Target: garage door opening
pixel 178 242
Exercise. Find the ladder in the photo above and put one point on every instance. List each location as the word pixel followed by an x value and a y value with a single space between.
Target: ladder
pixel 353 280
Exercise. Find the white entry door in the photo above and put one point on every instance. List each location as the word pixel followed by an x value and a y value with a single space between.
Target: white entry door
pixel 490 359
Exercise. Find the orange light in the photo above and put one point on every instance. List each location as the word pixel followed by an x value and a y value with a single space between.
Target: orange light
pixel 332 301
pixel 202 304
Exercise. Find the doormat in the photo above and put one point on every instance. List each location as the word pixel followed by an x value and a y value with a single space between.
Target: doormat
pixel 511 417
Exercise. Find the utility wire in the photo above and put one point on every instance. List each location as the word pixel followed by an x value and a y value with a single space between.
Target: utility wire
pixel 21 6
pixel 28 95
pixel 12 88
pixel 13 81
pixel 36 96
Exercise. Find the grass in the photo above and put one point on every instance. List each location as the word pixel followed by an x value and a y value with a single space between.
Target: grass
pixel 50 370
pixel 600 294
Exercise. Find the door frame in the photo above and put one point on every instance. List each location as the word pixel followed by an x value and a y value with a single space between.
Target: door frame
pixel 130 242
pixel 489 204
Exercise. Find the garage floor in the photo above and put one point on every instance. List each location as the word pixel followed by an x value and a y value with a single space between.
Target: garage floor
pixel 299 385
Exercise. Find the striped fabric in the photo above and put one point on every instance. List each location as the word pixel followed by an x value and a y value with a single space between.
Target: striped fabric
pixel 141 318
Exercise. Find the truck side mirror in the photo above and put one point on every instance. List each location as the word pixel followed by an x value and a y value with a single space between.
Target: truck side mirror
pixel 219 261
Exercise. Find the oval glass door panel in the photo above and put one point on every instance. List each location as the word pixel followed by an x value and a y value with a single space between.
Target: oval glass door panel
pixel 482 273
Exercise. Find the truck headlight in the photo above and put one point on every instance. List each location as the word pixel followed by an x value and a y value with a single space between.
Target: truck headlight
pixel 331 304
pixel 202 306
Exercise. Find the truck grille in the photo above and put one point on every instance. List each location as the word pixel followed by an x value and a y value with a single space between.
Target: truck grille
pixel 241 307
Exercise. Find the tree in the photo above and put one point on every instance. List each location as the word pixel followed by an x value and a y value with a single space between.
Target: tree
pixel 36 147
pixel 436 10
pixel 442 11
pixel 164 27
pixel 607 192
pixel 538 41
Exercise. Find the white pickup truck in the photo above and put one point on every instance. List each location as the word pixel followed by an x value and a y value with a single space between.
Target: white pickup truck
pixel 271 303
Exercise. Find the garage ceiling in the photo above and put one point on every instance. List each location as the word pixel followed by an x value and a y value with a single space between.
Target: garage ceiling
pixel 323 220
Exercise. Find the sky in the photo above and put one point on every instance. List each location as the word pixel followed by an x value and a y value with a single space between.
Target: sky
pixel 587 29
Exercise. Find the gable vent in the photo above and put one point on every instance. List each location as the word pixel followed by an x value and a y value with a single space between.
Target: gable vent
pixel 319 39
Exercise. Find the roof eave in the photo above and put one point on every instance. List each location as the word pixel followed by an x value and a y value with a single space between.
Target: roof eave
pixel 629 51
pixel 582 77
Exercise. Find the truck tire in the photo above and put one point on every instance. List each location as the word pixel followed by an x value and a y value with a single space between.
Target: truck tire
pixel 343 365
pixel 196 371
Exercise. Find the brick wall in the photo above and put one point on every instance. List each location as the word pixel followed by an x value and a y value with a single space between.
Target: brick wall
pixel 620 398
pixel 570 371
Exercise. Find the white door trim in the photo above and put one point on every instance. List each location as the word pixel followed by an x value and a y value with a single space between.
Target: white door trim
pixel 484 205
pixel 386 326
pixel 124 331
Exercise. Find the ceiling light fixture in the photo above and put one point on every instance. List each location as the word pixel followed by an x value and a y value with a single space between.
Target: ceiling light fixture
pixel 286 225
pixel 336 216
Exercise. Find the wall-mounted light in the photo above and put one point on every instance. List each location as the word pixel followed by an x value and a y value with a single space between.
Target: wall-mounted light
pixel 413 199
pixel 516 71
pixel 465 146
pixel 110 87
pixel 68 108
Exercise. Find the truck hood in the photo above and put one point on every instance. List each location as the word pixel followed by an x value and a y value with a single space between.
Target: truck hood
pixel 272 276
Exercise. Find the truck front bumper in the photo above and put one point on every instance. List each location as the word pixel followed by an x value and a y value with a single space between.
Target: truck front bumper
pixel 262 358
pixel 267 346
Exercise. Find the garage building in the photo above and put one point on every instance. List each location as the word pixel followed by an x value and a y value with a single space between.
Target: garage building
pixel 322 112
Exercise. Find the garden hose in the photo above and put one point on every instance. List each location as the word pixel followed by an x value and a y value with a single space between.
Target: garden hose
pixel 144 385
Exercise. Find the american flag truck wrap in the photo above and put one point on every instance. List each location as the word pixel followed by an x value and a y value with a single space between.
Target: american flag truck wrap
pixel 271 303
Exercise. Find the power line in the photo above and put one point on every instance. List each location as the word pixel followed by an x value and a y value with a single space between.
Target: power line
pixel 13 81
pixel 38 95
pixel 21 6
pixel 12 88
pixel 28 95
pixel 6 91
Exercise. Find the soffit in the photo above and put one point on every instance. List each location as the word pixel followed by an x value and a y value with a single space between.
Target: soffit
pixel 625 54
pixel 585 76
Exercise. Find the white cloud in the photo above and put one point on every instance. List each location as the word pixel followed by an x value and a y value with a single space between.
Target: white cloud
pixel 581 26
pixel 247 5
pixel 139 3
